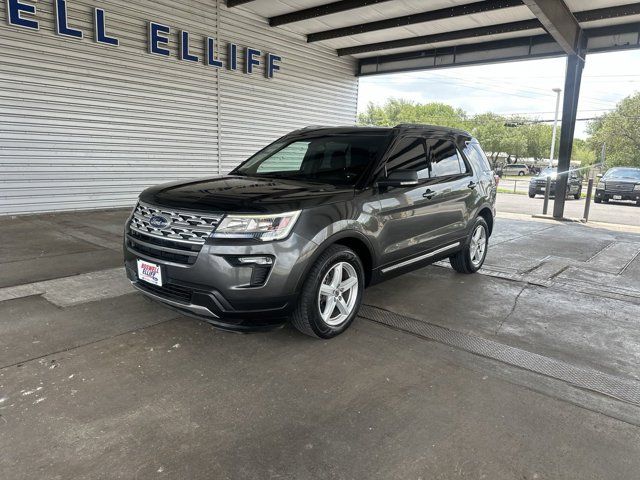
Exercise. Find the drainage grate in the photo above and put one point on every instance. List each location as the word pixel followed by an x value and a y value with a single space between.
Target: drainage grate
pixel 626 390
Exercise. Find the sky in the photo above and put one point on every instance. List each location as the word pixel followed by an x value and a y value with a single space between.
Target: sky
pixel 514 87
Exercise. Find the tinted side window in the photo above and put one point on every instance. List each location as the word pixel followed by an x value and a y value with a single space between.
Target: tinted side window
pixel 444 157
pixel 477 157
pixel 409 154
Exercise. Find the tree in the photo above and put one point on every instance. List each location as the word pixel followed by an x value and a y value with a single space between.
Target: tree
pixel 583 152
pixel 491 132
pixel 395 111
pixel 620 130
pixel 518 137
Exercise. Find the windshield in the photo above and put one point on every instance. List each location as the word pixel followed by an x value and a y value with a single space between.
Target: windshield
pixel 548 172
pixel 631 173
pixel 336 159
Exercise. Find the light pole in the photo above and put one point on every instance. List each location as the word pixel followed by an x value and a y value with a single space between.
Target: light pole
pixel 555 126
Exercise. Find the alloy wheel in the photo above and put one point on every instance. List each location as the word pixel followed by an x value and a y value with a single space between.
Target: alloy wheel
pixel 478 245
pixel 338 294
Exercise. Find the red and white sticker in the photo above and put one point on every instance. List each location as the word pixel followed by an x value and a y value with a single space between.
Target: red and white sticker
pixel 149 272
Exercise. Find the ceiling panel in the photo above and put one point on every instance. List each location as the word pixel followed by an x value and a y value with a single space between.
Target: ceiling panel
pixel 437 26
pixel 397 8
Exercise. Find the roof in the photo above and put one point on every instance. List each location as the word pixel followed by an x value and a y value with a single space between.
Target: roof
pixel 400 35
pixel 381 130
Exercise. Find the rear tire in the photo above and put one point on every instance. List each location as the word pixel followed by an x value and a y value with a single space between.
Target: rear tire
pixel 578 194
pixel 307 316
pixel 469 259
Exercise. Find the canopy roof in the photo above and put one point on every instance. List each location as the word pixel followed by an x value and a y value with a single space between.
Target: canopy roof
pixel 403 35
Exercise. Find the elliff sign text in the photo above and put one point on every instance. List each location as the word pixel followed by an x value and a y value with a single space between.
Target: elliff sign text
pixel 23 13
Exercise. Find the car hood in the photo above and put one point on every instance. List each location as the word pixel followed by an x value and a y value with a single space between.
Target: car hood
pixel 240 194
pixel 543 177
pixel 621 180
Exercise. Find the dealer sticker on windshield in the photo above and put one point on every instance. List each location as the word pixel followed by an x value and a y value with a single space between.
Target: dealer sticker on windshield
pixel 149 272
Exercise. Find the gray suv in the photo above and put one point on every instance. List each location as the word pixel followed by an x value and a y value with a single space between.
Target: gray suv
pixel 301 228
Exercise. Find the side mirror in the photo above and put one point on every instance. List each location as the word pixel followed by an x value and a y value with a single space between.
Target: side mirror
pixel 399 178
pixel 599 175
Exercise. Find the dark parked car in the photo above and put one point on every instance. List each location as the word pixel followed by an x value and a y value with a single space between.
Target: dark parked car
pixel 538 184
pixel 620 183
pixel 302 227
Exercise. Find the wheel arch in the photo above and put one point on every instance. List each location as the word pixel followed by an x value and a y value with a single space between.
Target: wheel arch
pixel 352 239
pixel 487 214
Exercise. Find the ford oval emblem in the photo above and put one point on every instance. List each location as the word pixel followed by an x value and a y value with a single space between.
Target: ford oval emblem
pixel 158 221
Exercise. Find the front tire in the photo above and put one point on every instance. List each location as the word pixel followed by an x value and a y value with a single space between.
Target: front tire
pixel 331 294
pixel 471 258
pixel 578 194
pixel 521 174
pixel 532 195
pixel 597 200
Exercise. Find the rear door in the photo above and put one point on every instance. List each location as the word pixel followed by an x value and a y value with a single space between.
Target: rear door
pixel 452 181
pixel 423 218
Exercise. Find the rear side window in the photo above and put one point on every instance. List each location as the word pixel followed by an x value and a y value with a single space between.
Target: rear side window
pixel 476 156
pixel 445 159
pixel 409 154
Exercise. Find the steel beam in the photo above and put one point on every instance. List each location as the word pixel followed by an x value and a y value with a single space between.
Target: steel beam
pixel 558 20
pixel 608 12
pixel 321 10
pixel 584 16
pixel 235 3
pixel 572 81
pixel 601 39
pixel 442 37
pixel 428 16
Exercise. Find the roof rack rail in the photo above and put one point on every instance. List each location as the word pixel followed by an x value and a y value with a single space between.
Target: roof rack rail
pixel 406 125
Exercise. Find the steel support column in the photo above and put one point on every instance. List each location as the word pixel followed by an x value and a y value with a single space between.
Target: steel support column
pixel 573 78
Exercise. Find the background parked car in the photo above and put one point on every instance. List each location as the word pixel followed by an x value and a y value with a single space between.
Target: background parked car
pixel 538 184
pixel 519 169
pixel 619 183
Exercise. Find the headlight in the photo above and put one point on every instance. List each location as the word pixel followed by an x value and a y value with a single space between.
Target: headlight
pixel 637 188
pixel 260 227
pixel 600 186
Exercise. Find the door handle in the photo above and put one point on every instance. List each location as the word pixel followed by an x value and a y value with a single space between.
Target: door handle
pixel 428 194
pixel 472 185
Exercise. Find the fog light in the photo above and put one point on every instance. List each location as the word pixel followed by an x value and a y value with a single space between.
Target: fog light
pixel 255 260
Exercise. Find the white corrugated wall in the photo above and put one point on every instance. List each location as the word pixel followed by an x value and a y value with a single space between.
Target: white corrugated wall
pixel 84 125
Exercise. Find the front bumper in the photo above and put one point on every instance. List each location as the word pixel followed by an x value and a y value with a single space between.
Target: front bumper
pixel 606 194
pixel 539 188
pixel 214 287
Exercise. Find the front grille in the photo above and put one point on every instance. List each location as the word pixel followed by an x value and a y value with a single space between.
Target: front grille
pixel 169 291
pixel 178 242
pixel 618 187
pixel 159 253
pixel 182 227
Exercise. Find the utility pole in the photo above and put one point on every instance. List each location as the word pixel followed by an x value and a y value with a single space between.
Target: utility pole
pixel 555 127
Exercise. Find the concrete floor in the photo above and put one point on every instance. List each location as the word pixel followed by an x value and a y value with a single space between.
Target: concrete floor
pixel 97 382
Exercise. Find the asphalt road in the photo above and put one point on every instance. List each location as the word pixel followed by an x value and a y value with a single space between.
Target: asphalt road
pixel 623 213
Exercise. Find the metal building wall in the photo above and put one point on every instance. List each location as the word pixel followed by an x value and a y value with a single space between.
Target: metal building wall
pixel 85 126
